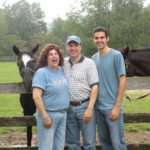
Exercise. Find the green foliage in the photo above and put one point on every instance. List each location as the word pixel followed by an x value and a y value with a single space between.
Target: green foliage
pixel 18 23
pixel 7 43
pixel 24 19
pixel 43 39
pixel 7 40
pixel 127 20
pixel 2 23
pixel 58 28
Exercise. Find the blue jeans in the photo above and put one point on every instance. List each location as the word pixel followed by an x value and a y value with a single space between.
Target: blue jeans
pixel 75 124
pixel 52 138
pixel 110 132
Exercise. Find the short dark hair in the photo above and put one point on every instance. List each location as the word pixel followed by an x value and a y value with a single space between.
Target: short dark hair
pixel 101 29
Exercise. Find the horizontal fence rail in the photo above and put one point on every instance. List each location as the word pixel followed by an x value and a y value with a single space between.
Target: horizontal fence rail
pixel 133 83
pixel 31 121
pixel 7 58
pixel 138 83
pixel 12 88
pixel 98 147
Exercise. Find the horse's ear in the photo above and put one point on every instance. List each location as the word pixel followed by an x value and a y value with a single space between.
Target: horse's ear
pixel 127 50
pixel 16 50
pixel 34 50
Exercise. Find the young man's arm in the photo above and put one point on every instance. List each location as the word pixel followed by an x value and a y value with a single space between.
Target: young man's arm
pixel 115 111
pixel 89 111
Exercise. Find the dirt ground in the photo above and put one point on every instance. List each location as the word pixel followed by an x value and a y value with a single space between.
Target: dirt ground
pixel 18 139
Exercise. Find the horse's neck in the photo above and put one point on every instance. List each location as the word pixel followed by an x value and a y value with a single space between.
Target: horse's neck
pixel 139 56
pixel 138 71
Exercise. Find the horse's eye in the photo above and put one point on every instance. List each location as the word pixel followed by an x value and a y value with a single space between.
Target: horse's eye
pixel 31 63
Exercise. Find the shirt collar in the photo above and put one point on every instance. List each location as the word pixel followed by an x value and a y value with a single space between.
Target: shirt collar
pixel 80 60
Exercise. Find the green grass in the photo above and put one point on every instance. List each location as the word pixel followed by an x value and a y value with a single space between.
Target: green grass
pixel 9 72
pixel 137 106
pixel 10 105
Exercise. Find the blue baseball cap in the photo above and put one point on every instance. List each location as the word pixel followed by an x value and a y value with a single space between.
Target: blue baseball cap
pixel 73 38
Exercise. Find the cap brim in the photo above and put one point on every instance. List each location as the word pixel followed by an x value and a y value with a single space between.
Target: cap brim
pixel 73 41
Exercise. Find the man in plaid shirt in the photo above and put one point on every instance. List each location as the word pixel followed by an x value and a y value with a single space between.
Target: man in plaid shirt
pixel 82 76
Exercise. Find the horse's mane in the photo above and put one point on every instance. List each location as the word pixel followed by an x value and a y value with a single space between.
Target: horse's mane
pixel 140 50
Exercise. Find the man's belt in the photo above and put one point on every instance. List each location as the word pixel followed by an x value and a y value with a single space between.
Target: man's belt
pixel 76 103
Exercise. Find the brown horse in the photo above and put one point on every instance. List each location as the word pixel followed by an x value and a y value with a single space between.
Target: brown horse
pixel 137 61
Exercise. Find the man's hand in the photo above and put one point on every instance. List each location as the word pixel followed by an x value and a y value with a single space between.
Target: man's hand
pixel 115 113
pixel 87 115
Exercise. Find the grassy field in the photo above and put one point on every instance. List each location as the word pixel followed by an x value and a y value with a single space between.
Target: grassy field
pixel 9 72
pixel 9 102
pixel 10 106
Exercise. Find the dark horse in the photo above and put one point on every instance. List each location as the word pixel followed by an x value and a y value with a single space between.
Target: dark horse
pixel 137 61
pixel 26 62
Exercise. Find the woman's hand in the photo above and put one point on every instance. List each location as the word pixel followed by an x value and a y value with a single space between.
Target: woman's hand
pixel 47 122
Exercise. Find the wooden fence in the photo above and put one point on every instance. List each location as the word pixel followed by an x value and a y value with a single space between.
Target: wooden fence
pixel 7 58
pixel 136 83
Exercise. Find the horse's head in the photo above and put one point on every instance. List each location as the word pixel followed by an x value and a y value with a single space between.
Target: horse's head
pixel 27 64
pixel 124 52
pixel 136 61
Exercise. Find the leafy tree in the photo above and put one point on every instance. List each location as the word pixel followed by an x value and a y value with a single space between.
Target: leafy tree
pixel 88 15
pixel 7 40
pixel 127 21
pixel 24 19
pixel 43 39
pixel 145 24
pixel 125 26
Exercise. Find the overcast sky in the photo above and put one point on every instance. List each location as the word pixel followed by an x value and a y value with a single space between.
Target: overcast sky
pixel 53 8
